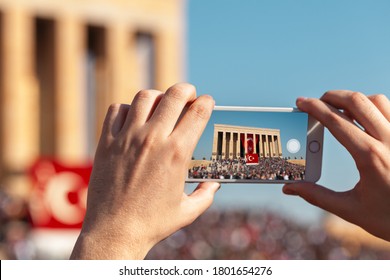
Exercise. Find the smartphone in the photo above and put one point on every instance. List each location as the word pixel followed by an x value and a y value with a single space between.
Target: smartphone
pixel 258 145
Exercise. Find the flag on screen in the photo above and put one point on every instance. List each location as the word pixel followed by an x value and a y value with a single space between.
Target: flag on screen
pixel 252 159
pixel 249 143
pixel 242 138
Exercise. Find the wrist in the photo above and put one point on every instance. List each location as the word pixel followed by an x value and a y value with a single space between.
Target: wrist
pixel 106 245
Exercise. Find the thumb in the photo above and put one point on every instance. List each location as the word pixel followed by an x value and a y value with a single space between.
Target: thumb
pixel 339 203
pixel 200 199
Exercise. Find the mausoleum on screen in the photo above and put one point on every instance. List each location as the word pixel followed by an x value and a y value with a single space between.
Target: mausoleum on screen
pixel 235 141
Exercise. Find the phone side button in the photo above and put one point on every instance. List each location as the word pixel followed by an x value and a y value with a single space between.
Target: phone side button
pixel 314 146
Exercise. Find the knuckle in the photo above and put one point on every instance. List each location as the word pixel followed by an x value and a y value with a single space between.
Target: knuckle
pixel 357 97
pixel 145 94
pixel 200 111
pixel 326 95
pixel 374 149
pixel 149 141
pixel 175 93
pixel 374 160
pixel 373 154
pixel 114 107
pixel 207 99
pixel 181 91
pixel 311 105
pixel 185 87
pixel 335 119
pixel 112 110
pixel 179 151
pixel 378 98
pixel 311 102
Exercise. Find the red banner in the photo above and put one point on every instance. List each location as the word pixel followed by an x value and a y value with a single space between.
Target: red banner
pixel 242 138
pixel 252 159
pixel 249 144
pixel 59 194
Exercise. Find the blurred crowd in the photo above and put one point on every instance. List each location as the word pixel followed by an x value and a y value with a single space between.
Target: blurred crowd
pixel 244 234
pixel 217 234
pixel 267 169
pixel 14 228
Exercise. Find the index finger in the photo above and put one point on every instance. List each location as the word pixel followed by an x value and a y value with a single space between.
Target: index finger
pixel 192 124
pixel 356 141
pixel 361 109
pixel 171 106
pixel 382 103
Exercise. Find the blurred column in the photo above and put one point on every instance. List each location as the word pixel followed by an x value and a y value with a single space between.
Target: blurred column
pixel 254 143
pixel 261 145
pixel 169 54
pixel 20 91
pixel 241 145
pixel 267 152
pixel 234 135
pixel 2 148
pixel 245 144
pixel 276 151
pixel 230 144
pixel 132 73
pixel 268 146
pixel 118 61
pixel 280 147
pixel 20 112
pixel 71 143
pixel 215 145
pixel 276 146
pixel 223 144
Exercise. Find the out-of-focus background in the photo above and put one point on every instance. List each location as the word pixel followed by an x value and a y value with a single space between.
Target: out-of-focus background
pixel 63 62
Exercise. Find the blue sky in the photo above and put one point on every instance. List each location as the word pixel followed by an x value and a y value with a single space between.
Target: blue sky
pixel 267 53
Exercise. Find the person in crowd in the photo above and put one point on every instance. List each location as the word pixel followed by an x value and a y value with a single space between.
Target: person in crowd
pixel 136 192
pixel 276 168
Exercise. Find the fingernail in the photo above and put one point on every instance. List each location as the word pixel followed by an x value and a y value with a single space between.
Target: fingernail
pixel 300 100
pixel 289 191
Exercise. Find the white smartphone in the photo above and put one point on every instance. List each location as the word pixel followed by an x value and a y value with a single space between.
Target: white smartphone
pixel 258 145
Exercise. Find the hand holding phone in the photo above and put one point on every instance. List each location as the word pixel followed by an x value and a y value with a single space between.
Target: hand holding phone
pixel 258 145
pixel 131 190
pixel 367 203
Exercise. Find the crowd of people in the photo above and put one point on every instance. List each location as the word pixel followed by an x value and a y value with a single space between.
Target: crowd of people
pixel 257 234
pixel 267 169
pixel 126 225
pixel 14 228
pixel 217 234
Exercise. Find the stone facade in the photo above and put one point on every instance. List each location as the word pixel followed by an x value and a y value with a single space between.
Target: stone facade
pixel 62 63
pixel 235 141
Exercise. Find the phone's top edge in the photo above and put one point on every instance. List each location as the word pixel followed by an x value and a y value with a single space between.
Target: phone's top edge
pixel 256 109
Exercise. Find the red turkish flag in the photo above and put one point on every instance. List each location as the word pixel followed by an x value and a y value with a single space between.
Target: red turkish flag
pixel 252 159
pixel 59 194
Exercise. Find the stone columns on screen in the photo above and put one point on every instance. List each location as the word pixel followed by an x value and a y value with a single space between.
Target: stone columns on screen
pixel 230 142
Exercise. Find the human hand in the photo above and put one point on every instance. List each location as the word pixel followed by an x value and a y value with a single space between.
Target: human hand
pixel 368 203
pixel 136 192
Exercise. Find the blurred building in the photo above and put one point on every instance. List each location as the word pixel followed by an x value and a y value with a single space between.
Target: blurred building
pixel 63 62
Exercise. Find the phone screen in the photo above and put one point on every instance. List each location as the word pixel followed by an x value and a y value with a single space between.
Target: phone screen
pixel 251 145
